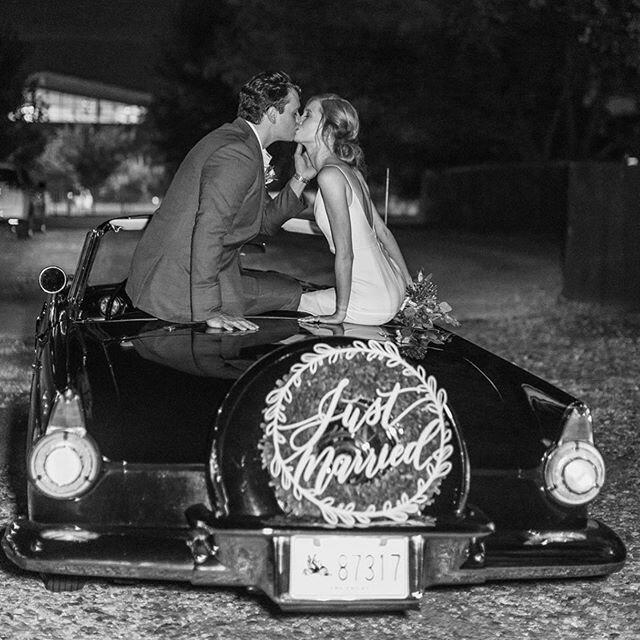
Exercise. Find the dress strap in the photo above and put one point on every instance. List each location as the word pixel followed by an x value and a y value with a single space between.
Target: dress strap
pixel 366 210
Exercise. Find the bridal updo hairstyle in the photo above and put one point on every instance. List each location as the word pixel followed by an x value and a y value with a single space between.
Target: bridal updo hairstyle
pixel 264 90
pixel 339 129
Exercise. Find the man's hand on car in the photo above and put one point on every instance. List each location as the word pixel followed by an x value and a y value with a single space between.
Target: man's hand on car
pixel 228 322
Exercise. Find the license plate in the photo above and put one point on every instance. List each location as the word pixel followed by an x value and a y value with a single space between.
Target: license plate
pixel 326 567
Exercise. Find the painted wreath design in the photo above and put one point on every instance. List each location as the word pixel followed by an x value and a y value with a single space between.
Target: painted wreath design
pixel 432 400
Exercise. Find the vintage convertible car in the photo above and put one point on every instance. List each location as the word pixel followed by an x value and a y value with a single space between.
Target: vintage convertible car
pixel 326 468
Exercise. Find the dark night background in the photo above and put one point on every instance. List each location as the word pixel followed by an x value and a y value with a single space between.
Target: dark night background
pixel 114 41
pixel 437 83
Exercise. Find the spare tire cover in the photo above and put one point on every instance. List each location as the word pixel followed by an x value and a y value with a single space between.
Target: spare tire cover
pixel 338 432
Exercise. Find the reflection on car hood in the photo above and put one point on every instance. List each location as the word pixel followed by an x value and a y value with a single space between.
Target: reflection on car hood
pixel 212 353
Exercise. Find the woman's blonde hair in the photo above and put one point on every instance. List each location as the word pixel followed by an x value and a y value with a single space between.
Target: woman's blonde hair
pixel 339 129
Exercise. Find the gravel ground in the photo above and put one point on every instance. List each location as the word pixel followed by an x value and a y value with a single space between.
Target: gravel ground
pixel 592 352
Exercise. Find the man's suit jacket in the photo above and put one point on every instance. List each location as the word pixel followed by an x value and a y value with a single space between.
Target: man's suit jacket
pixel 187 264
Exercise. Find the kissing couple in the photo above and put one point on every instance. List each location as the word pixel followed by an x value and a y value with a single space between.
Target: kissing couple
pixel 186 267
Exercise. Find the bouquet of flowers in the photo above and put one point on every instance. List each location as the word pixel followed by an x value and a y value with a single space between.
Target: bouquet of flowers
pixel 418 315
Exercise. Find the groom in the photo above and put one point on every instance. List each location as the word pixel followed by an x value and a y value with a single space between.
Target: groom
pixel 186 267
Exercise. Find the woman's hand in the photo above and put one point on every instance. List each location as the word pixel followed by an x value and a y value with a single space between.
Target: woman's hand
pixel 335 318
pixel 317 329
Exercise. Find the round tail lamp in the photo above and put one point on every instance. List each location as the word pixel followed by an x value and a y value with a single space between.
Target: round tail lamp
pixel 64 464
pixel 574 473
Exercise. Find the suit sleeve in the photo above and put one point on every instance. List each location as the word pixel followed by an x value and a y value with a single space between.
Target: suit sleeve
pixel 279 209
pixel 226 179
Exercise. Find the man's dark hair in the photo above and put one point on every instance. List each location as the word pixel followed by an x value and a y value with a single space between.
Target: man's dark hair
pixel 264 90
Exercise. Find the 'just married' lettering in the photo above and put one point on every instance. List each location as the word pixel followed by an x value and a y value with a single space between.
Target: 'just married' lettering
pixel 371 419
pixel 317 469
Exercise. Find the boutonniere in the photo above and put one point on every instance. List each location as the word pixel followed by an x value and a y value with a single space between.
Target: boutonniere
pixel 269 175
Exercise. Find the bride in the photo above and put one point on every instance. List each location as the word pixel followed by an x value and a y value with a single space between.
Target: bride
pixel 370 273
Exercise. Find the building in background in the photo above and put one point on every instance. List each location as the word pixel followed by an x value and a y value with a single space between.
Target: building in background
pixel 89 124
pixel 70 100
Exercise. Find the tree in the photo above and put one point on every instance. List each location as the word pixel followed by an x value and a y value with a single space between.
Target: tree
pixel 84 157
pixel 537 78
pixel 19 141
pixel 191 96
pixel 607 51
pixel 436 83
pixel 12 56
pixel 218 46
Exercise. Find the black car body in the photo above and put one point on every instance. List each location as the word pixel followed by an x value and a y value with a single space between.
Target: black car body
pixel 323 467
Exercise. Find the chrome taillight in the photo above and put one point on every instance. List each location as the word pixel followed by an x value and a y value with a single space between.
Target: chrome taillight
pixel 574 471
pixel 65 463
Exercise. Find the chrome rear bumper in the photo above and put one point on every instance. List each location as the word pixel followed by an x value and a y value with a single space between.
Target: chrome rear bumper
pixel 259 558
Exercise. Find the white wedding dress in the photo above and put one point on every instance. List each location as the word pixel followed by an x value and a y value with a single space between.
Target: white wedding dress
pixel 377 285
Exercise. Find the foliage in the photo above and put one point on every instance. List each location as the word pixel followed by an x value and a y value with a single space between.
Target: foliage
pixel 19 141
pixel 439 83
pixel 135 180
pixel 84 156
pixel 191 96
pixel 12 57
pixel 419 315
pixel 532 81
